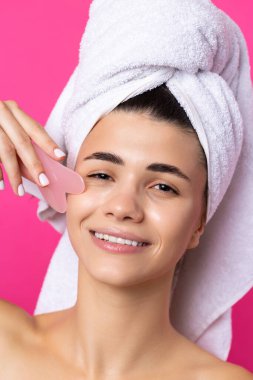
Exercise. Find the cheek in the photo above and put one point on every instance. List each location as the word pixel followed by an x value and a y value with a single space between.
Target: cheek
pixel 175 223
pixel 80 207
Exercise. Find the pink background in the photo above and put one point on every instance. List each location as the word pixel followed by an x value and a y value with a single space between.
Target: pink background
pixel 39 49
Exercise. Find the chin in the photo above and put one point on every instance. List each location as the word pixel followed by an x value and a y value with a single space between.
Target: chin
pixel 113 274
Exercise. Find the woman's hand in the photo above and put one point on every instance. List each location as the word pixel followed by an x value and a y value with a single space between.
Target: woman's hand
pixel 16 150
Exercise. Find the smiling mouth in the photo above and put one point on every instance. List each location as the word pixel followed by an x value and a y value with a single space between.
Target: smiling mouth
pixel 118 240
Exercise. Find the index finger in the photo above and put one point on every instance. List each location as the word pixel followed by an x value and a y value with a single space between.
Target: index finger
pixel 35 131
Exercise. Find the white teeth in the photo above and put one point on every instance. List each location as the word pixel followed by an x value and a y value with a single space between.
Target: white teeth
pixel 117 240
pixel 112 239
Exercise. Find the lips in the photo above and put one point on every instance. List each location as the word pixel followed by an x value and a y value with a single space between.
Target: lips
pixel 120 234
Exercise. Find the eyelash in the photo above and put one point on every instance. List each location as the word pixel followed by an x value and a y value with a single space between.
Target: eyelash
pixel 99 175
pixel 96 175
pixel 168 187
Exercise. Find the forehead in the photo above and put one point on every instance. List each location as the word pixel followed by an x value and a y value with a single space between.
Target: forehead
pixel 137 136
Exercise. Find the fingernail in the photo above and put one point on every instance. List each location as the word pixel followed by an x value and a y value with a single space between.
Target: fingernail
pixel 1 184
pixel 21 190
pixel 44 181
pixel 59 153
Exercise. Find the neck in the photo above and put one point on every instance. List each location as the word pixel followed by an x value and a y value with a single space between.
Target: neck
pixel 121 330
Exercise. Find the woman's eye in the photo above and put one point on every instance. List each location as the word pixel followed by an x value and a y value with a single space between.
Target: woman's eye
pixel 102 176
pixel 165 188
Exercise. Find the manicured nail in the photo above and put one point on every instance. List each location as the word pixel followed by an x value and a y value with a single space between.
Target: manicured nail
pixel 44 181
pixel 21 190
pixel 59 153
pixel 1 184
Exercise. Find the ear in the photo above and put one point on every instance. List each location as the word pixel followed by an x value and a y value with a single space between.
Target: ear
pixel 194 242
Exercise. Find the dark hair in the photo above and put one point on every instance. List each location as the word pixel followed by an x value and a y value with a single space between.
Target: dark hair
pixel 160 104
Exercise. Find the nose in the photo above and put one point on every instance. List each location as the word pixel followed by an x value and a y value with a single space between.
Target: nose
pixel 124 206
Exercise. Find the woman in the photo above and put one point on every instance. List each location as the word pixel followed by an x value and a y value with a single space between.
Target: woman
pixel 145 181
pixel 143 208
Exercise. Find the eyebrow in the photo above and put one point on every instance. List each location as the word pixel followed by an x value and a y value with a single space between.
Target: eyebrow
pixel 154 167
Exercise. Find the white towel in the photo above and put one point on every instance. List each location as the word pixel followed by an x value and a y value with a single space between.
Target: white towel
pixel 201 55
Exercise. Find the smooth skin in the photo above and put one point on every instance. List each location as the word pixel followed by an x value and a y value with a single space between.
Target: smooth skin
pixel 119 327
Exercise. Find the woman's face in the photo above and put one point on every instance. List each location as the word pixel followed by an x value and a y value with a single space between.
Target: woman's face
pixel 143 182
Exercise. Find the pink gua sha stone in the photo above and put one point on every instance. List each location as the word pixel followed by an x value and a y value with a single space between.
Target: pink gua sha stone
pixel 62 180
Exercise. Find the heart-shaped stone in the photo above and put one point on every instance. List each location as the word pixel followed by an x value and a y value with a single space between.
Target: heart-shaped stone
pixel 62 180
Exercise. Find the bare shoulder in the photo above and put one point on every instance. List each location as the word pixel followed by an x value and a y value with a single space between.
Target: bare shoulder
pixel 217 369
pixel 227 371
pixel 206 366
pixel 13 316
pixel 15 325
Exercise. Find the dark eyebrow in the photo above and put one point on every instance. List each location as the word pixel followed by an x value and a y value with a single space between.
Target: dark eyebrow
pixel 155 167
pixel 105 156
pixel 165 168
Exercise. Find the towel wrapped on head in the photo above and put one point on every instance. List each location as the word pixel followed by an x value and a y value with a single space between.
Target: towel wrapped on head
pixel 200 53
